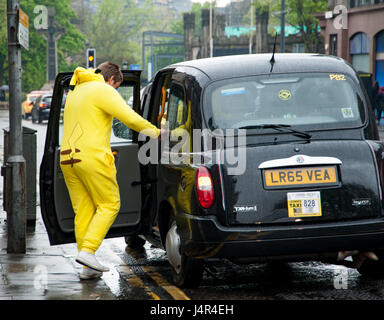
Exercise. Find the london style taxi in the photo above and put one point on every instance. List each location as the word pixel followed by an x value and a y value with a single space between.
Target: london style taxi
pixel 307 183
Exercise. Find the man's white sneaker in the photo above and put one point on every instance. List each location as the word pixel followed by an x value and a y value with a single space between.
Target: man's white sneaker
pixel 88 259
pixel 89 273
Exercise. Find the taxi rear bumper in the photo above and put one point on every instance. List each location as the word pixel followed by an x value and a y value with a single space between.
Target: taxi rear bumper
pixel 204 237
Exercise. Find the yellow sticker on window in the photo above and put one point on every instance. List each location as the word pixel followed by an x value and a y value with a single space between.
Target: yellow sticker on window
pixel 337 77
pixel 285 94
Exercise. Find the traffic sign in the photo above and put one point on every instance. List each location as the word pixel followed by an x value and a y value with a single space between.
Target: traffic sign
pixel 23 34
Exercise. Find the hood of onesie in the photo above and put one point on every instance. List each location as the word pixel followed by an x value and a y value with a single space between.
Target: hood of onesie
pixel 82 75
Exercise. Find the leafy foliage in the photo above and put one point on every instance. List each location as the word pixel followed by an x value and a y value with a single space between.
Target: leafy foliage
pixel 34 60
pixel 115 28
pixel 300 14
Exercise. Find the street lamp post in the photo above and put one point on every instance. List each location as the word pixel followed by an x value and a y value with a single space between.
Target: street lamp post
pixel 15 162
pixel 282 33
pixel 251 30
pixel 210 30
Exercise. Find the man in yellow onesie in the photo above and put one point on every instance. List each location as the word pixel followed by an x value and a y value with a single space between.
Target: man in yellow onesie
pixel 86 158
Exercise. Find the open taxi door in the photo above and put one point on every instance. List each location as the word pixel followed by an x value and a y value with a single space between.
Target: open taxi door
pixel 56 208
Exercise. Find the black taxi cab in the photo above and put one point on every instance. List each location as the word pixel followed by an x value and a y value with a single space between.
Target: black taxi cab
pixel 265 158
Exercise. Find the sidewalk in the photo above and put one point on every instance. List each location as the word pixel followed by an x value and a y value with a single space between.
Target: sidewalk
pixel 44 272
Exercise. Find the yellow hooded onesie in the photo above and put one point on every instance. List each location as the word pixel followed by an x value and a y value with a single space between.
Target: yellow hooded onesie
pixel 86 158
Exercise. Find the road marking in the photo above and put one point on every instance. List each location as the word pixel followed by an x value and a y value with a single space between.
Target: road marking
pixel 123 268
pixel 132 265
pixel 135 281
pixel 174 291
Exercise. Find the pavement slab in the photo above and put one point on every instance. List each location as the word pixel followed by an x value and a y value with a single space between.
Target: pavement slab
pixel 44 272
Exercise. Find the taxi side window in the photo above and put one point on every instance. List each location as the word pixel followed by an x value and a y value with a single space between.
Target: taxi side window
pixel 177 110
pixel 164 100
pixel 120 132
pixel 178 119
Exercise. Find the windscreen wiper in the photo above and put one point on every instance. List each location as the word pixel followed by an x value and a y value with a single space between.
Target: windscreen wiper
pixel 281 128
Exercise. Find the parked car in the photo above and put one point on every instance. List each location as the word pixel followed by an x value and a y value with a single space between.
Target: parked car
pixel 41 108
pixel 28 103
pixel 289 165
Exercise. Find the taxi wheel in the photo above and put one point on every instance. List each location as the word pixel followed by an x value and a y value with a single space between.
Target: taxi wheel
pixel 187 271
pixel 374 269
pixel 134 242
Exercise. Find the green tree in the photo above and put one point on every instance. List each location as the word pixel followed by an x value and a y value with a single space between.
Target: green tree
pixel 115 28
pixel 301 15
pixel 3 43
pixel 34 59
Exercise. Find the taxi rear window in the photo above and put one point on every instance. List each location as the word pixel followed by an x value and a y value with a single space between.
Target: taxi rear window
pixel 313 101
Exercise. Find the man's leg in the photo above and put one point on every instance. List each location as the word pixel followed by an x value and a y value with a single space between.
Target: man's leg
pixel 81 202
pixel 100 182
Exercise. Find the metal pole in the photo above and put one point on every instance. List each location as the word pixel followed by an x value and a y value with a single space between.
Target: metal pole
pixel 210 30
pixel 143 54
pixel 282 34
pixel 251 29
pixel 151 55
pixel 16 216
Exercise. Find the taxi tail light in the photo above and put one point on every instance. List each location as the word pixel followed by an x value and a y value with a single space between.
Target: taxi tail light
pixel 204 187
pixel 42 105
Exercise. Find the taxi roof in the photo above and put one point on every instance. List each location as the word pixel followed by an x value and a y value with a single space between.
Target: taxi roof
pixel 253 64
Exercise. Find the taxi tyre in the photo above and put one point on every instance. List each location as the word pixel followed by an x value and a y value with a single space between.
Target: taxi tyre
pixel 374 269
pixel 134 242
pixel 190 271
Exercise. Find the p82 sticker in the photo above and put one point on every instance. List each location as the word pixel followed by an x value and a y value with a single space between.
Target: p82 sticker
pixel 337 77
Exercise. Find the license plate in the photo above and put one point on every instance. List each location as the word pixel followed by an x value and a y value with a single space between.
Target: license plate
pixel 300 176
pixel 304 204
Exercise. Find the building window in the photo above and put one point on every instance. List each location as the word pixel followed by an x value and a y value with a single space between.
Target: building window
pixel 360 3
pixel 359 51
pixel 380 42
pixel 379 71
pixel 359 44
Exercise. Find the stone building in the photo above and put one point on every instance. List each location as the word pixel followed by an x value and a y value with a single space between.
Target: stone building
pixel 354 31
pixel 196 47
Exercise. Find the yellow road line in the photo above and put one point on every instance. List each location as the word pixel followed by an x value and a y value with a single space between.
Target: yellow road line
pixel 174 291
pixel 135 281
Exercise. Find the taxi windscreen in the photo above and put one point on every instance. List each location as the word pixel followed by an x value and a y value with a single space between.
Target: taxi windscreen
pixel 311 101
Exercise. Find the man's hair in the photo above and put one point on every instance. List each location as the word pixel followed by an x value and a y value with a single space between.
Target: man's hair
pixel 109 69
